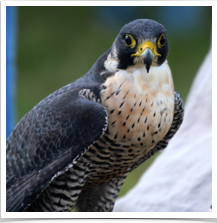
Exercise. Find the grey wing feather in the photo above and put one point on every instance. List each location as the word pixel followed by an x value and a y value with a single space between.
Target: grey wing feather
pixel 177 121
pixel 47 140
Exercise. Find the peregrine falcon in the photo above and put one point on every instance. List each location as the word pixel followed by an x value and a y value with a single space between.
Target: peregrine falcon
pixel 76 146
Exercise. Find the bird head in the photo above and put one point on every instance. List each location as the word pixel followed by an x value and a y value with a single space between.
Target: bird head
pixel 141 41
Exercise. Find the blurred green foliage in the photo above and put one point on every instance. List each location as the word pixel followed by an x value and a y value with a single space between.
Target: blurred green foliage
pixel 57 45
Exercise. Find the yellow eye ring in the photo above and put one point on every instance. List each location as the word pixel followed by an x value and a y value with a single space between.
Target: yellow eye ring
pixel 161 41
pixel 130 41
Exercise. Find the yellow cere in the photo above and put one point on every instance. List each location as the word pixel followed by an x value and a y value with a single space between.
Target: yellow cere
pixel 143 46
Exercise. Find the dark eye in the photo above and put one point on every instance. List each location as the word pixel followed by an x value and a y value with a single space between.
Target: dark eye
pixel 161 40
pixel 128 40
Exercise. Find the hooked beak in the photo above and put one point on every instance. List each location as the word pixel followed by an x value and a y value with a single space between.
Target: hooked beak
pixel 146 53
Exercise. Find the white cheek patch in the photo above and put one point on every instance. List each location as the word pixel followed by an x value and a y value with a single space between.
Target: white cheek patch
pixel 111 63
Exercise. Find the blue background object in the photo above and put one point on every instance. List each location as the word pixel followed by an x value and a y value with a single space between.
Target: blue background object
pixel 11 31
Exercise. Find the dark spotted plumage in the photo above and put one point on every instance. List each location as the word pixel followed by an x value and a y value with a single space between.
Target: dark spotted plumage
pixel 76 147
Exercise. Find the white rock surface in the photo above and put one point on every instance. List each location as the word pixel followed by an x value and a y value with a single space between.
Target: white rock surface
pixel 180 179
